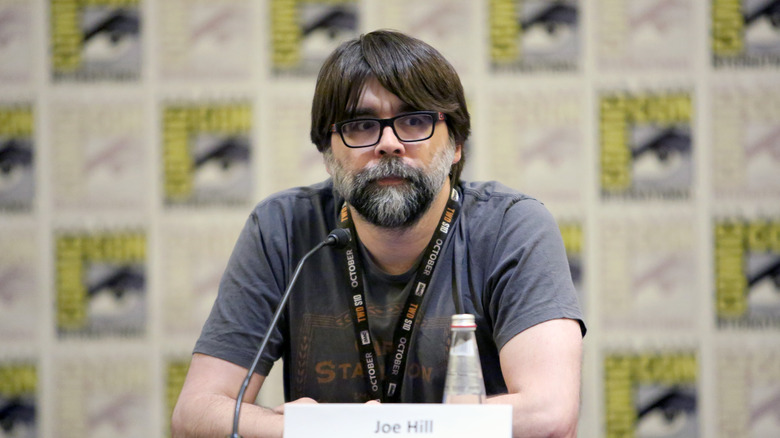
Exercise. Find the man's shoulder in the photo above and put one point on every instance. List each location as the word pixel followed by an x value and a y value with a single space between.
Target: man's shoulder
pixel 299 208
pixel 489 203
pixel 319 193
pixel 481 191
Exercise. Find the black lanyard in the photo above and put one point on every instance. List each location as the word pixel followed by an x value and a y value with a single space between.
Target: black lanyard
pixel 402 337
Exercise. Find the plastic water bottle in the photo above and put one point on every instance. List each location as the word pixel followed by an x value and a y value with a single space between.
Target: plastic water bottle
pixel 464 383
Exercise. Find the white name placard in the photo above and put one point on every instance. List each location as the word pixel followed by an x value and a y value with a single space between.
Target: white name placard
pixel 397 420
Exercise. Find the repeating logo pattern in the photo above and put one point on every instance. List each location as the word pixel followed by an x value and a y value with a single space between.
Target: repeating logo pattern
pixel 135 137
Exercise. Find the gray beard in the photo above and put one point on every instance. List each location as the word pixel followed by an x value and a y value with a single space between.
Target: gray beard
pixel 396 206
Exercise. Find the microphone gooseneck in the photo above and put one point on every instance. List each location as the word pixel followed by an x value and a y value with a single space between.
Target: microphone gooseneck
pixel 337 238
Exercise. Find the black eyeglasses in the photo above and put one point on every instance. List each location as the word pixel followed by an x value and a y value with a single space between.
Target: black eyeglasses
pixel 409 127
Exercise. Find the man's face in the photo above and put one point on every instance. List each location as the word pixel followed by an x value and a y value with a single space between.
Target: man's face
pixel 391 184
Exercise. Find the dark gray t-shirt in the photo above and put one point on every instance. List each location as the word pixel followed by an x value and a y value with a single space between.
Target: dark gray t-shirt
pixel 504 250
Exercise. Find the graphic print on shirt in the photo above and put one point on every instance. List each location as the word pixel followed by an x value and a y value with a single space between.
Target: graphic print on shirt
pixel 322 366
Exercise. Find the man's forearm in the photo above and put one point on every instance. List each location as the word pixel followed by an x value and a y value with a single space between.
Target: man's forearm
pixel 211 415
pixel 532 419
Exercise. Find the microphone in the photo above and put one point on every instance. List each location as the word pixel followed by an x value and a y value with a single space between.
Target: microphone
pixel 337 238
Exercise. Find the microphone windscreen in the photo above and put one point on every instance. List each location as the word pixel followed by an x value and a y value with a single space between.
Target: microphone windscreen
pixel 339 237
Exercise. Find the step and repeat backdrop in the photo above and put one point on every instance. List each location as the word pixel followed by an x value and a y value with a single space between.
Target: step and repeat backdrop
pixel 136 136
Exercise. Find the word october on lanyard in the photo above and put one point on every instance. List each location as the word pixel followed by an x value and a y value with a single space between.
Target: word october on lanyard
pixel 408 317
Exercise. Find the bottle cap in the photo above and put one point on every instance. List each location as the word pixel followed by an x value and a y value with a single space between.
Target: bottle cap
pixel 463 320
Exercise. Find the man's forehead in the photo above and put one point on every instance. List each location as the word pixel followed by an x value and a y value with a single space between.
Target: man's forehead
pixel 375 99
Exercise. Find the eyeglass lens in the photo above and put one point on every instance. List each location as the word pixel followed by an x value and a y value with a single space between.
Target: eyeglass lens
pixel 412 127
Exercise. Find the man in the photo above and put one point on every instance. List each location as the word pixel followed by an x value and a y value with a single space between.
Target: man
pixel 390 118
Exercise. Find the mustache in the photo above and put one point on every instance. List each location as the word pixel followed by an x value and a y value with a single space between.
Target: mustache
pixel 391 167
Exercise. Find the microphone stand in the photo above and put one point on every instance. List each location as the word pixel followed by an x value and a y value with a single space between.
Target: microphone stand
pixel 338 237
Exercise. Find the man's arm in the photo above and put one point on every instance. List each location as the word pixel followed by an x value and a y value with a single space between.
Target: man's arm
pixel 541 367
pixel 207 403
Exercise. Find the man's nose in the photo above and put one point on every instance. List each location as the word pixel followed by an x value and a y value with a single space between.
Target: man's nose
pixel 389 143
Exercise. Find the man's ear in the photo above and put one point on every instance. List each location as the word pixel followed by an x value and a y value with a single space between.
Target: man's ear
pixel 458 152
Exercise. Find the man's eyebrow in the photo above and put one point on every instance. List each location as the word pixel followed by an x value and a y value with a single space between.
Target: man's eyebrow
pixel 364 112
pixel 406 108
pixel 370 112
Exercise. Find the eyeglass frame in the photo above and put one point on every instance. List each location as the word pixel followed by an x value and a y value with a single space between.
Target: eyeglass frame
pixel 437 116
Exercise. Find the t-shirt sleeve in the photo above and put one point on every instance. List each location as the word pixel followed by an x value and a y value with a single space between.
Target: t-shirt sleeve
pixel 529 279
pixel 249 292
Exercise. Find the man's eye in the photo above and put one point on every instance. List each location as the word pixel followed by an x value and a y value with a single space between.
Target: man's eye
pixel 414 120
pixel 360 126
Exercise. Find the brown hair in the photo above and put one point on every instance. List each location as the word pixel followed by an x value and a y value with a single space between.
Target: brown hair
pixel 405 66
